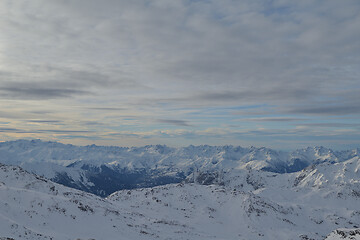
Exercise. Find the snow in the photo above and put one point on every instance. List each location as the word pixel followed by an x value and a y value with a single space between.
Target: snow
pixel 347 234
pixel 49 159
pixel 35 208
pixel 250 205
pixel 240 201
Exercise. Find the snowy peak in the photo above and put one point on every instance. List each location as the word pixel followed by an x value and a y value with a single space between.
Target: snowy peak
pixel 346 234
pixel 347 172
pixel 316 155
pixel 104 169
pixel 202 156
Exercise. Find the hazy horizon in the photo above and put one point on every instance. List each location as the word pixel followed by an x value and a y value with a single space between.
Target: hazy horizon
pixel 183 146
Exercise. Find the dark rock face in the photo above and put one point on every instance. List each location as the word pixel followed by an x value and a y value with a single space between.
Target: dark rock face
pixel 206 177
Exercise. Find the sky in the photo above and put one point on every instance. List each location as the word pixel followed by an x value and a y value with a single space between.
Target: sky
pixel 276 73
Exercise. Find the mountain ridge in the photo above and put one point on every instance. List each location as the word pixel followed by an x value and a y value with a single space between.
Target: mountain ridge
pixel 105 169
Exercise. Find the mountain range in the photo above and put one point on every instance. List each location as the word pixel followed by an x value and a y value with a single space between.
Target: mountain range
pixel 216 193
pixel 102 170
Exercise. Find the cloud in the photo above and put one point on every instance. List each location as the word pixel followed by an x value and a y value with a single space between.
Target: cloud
pixel 252 46
pixel 33 92
pixel 8 129
pixel 325 110
pixel 87 60
pixel 61 131
pixel 274 119
pixel 106 109
pixel 273 94
pixel 44 121
pixel 56 131
pixel 8 114
pixel 174 122
pixel 44 82
pixel 333 125
pixel 92 123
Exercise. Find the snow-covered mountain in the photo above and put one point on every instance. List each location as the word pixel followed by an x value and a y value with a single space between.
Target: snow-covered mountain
pixel 103 170
pixel 344 234
pixel 244 204
pixel 35 208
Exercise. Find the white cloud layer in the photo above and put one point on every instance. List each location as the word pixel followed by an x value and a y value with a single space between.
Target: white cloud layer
pixel 158 65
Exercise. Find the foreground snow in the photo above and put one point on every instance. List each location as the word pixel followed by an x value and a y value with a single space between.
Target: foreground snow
pixel 247 204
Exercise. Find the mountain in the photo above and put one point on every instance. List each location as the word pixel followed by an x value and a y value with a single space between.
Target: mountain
pixel 347 234
pixel 35 208
pixel 103 170
pixel 243 204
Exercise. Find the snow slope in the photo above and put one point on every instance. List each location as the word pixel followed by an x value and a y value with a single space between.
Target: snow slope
pixel 244 204
pixel 258 204
pixel 32 207
pixel 347 234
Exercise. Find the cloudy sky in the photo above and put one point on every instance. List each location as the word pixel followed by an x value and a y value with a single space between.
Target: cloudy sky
pixel 275 73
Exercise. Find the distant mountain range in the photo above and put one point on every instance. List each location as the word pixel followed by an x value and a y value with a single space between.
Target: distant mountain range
pixel 102 170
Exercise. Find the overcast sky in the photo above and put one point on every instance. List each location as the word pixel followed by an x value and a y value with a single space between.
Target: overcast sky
pixel 275 73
